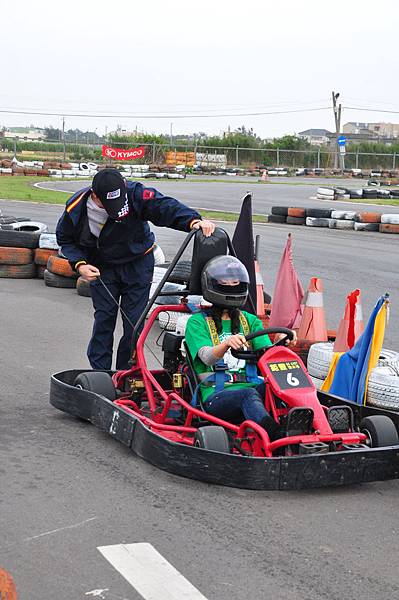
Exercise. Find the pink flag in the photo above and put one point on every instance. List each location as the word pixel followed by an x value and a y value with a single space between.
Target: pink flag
pixel 288 293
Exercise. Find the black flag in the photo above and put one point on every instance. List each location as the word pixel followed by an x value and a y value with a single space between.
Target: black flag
pixel 243 244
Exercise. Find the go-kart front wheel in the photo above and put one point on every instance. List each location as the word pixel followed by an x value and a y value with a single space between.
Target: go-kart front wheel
pixel 213 438
pixel 380 430
pixel 97 382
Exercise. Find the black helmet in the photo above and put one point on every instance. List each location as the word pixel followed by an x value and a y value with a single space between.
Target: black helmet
pixel 225 282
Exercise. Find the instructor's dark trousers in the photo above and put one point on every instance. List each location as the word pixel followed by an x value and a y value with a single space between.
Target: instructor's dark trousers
pixel 130 285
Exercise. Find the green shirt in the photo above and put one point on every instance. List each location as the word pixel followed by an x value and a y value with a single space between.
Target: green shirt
pixel 197 335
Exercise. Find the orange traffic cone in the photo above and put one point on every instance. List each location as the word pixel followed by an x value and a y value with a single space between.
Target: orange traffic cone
pixel 260 299
pixel 313 323
pixel 351 326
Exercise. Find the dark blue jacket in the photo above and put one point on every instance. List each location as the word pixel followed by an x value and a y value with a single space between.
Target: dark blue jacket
pixel 123 240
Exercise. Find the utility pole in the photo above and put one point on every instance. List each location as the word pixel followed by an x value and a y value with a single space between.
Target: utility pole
pixel 171 135
pixel 337 118
pixel 63 134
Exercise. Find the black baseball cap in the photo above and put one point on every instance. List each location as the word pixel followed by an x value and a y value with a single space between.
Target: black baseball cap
pixel 110 187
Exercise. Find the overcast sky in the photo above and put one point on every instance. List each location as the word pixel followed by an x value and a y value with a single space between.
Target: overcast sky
pixel 175 57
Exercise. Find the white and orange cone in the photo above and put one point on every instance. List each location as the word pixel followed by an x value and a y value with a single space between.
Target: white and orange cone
pixel 260 298
pixel 351 326
pixel 313 323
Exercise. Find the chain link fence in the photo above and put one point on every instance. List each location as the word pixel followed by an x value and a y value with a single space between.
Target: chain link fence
pixel 211 157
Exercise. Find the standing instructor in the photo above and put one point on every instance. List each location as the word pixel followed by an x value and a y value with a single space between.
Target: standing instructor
pixel 104 231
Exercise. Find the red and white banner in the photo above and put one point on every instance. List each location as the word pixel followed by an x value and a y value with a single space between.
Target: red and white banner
pixel 119 154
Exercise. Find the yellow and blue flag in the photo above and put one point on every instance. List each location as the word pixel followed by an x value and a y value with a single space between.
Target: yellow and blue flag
pixel 349 372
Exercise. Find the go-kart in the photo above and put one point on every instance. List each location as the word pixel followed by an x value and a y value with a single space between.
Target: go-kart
pixel 325 439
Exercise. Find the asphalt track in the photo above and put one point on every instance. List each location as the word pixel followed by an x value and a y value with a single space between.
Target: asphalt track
pixel 67 488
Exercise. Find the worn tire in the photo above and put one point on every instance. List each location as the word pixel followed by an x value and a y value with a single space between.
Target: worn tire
pixel 296 212
pixel 18 271
pixel 366 226
pixel 326 191
pixel 58 281
pixel 97 382
pixel 19 239
pixel 348 215
pixel 276 219
pixel 340 224
pixel 42 255
pixel 392 219
pixel 381 431
pixel 282 211
pixel 383 387
pixel 32 226
pixel 49 241
pixel 83 287
pixel 60 266
pixel 317 222
pixel 388 228
pixel 212 437
pixel 320 213
pixel 368 217
pixel 15 256
pixel 296 220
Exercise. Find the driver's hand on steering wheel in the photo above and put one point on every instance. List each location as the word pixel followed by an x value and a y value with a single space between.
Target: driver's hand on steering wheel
pixel 280 336
pixel 237 342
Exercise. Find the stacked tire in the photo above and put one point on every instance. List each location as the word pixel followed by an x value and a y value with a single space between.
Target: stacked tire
pixel 47 247
pixel 17 254
pixel 59 273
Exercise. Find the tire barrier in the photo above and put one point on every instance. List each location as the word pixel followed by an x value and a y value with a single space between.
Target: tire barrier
pixel 326 192
pixel 83 287
pixel 276 219
pixel 323 213
pixel 317 222
pixel 368 217
pixel 336 219
pixel 18 271
pixel 366 226
pixel 340 224
pixel 42 255
pixel 296 220
pixel 343 214
pixel 15 256
pixel 280 210
pixel 48 240
pixel 19 239
pixel 58 281
pixel 391 219
pixel 33 226
pixel 383 387
pixel 296 212
pixel 60 266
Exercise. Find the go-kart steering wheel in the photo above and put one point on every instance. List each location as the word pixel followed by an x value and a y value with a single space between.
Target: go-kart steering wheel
pixel 253 355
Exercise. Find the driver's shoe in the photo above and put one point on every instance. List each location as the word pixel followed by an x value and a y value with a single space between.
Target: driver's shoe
pixel 274 430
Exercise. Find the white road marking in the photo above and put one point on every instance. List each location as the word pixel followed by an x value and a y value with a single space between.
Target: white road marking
pixel 149 572
pixel 97 593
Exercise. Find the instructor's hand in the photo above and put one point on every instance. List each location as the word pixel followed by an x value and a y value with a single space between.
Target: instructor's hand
pixel 208 227
pixel 88 272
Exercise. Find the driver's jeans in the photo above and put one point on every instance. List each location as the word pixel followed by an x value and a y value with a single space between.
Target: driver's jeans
pixel 230 403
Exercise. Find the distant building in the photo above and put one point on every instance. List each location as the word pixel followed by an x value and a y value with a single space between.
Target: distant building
pixel 316 137
pixel 23 133
pixel 376 130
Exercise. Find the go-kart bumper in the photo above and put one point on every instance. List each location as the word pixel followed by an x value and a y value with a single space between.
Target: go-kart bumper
pixel 277 473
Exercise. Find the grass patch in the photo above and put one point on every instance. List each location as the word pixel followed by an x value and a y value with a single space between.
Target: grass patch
pixel 22 188
pixel 218 215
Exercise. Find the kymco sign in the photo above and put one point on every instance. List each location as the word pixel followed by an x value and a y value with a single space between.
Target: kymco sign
pixel 118 154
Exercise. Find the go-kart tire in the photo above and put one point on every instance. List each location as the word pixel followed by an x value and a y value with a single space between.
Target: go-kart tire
pixel 97 382
pixel 19 239
pixel 276 219
pixel 340 224
pixel 60 266
pixel 282 211
pixel 32 226
pixel 380 430
pixel 392 219
pixel 58 281
pixel 368 217
pixel 296 220
pixel 366 226
pixel 213 438
pixel 15 256
pixel 18 271
pixel 386 228
pixel 181 273
pixel 320 213
pixel 383 387
pixel 42 255
pixel 348 215
pixel 296 212
pixel 317 222
pixel 83 287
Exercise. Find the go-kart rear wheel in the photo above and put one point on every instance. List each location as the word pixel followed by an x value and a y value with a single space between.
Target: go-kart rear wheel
pixel 212 437
pixel 97 382
pixel 380 430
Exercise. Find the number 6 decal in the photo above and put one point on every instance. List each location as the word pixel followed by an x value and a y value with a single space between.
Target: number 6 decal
pixel 291 380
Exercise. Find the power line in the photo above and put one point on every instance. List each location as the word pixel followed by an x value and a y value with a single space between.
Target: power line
pixel 158 116
pixel 380 110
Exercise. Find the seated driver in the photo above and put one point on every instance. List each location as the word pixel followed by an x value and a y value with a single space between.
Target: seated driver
pixel 210 336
